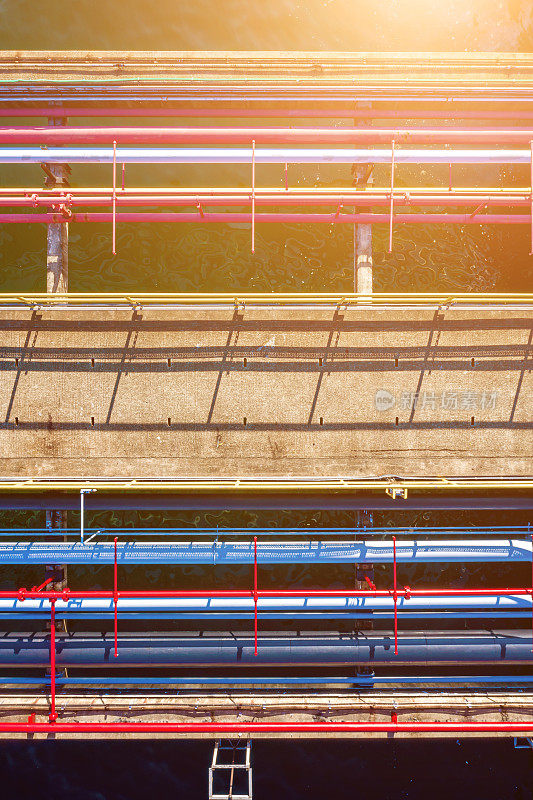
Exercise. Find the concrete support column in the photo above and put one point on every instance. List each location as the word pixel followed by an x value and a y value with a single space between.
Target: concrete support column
pixel 362 235
pixel 57 237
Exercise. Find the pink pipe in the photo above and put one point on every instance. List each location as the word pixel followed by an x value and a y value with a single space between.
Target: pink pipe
pixel 267 727
pixel 295 219
pixel 262 136
pixel 125 199
pixel 269 113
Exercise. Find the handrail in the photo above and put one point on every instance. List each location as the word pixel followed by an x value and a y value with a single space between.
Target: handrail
pixel 60 300
pixel 217 486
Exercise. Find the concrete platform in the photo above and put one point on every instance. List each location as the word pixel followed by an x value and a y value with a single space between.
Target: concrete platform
pixel 266 391
pixel 358 707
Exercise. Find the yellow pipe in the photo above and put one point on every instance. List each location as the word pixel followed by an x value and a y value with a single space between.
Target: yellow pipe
pixel 197 298
pixel 266 485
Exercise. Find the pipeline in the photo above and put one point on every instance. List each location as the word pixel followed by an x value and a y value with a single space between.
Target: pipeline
pixel 452 113
pixel 204 217
pixel 295 552
pixel 324 607
pixel 237 650
pixel 56 728
pixel 181 155
pixel 63 135
pixel 206 197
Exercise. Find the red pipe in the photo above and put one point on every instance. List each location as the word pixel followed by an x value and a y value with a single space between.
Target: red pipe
pixel 52 716
pixel 136 197
pixel 268 113
pixel 407 592
pixel 62 135
pixel 395 599
pixel 291 218
pixel 255 593
pixel 391 210
pixel 253 196
pixel 267 727
pixel 115 597
pixel 114 200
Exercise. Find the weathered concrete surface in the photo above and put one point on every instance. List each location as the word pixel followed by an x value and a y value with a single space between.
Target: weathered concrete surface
pixel 226 391
pixel 230 707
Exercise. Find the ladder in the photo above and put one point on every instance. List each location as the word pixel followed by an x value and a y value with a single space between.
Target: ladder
pixel 230 773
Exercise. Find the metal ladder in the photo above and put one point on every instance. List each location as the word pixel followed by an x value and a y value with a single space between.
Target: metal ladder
pixel 231 759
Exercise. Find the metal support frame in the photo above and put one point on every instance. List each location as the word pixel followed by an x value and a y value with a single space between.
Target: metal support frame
pixel 523 743
pixel 237 748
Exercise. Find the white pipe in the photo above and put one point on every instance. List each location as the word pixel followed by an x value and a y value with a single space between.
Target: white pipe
pixel 239 155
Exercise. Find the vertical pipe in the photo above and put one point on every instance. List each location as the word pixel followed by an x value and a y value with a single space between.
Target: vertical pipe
pixel 391 195
pixel 286 177
pixel 395 599
pixel 123 175
pixel 52 716
pixel 114 248
pixel 82 515
pixel 531 196
pixel 253 196
pixel 115 598
pixel 255 595
pixel 57 282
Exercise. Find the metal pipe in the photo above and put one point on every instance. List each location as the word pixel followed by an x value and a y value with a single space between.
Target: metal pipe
pixel 269 552
pixel 114 200
pixel 52 716
pixel 176 728
pixel 207 603
pixel 510 532
pixel 256 596
pixel 96 300
pixel 276 112
pixel 253 196
pixel 288 218
pixel 65 136
pixel 237 650
pixel 220 155
pixel 34 197
pixel 115 596
pixel 359 680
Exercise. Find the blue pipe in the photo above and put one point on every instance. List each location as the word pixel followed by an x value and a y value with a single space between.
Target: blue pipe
pixel 163 651
pixel 295 552
pixel 195 681
pixel 508 531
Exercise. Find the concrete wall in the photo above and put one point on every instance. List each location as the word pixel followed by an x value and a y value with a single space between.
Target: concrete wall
pixel 266 391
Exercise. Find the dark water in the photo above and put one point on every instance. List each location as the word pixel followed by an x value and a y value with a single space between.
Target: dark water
pixel 198 258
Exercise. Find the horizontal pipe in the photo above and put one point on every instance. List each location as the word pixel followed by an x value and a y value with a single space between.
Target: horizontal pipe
pixel 63 135
pixel 264 484
pixel 353 680
pixel 328 112
pixel 298 552
pixel 206 604
pixel 81 728
pixel 177 155
pixel 204 217
pixel 235 649
pixel 133 533
pixel 407 592
pixel 206 198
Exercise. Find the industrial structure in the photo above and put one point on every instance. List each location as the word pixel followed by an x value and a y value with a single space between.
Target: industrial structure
pixel 372 405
